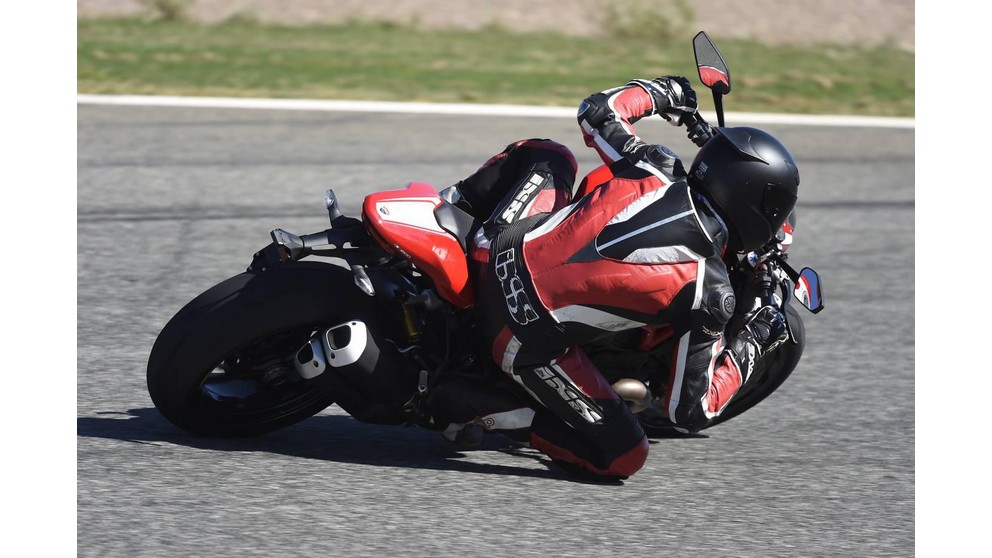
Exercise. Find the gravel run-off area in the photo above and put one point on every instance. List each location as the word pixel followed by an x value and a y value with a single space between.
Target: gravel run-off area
pixel 866 22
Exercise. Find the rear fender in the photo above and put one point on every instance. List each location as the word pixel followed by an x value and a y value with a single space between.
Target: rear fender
pixel 405 223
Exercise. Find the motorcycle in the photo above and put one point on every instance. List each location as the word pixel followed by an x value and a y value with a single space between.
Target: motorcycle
pixel 393 313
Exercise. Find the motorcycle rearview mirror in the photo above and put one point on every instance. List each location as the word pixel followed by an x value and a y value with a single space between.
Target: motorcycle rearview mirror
pixel 809 291
pixel 713 71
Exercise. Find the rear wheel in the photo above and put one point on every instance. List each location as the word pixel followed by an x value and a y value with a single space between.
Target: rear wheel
pixel 223 365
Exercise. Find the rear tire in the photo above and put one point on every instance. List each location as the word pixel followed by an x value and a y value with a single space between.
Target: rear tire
pixel 222 365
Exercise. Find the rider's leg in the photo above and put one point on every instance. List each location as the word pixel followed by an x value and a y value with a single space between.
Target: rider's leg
pixel 462 407
pixel 583 425
pixel 528 177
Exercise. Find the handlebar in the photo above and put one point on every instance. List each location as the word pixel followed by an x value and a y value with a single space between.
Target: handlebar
pixel 698 130
pixel 763 281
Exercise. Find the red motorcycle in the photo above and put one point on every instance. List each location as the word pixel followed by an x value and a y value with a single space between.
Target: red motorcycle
pixel 393 313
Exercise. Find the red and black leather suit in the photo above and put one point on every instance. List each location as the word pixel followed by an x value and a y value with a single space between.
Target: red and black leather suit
pixel 636 249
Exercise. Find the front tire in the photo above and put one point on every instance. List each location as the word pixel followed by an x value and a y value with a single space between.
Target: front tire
pixel 768 376
pixel 771 374
pixel 222 365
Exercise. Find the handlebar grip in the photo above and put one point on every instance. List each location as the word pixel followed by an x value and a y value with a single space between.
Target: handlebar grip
pixel 765 285
pixel 766 297
pixel 699 131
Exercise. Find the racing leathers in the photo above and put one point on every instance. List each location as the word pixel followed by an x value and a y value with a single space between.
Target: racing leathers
pixel 637 250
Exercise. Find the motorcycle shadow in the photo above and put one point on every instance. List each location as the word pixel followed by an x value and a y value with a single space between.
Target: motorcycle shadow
pixel 334 438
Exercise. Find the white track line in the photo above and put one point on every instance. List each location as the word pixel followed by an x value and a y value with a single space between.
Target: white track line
pixel 467 109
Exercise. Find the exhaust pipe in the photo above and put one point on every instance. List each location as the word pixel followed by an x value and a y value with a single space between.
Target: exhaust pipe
pixel 337 347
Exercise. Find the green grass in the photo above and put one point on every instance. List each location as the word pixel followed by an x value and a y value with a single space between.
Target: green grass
pixel 384 62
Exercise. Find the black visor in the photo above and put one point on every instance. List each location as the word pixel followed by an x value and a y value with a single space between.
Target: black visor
pixel 776 204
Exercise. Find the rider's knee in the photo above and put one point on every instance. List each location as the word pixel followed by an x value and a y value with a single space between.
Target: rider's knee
pixel 630 462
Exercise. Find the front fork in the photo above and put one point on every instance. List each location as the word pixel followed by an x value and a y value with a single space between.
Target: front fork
pixel 779 292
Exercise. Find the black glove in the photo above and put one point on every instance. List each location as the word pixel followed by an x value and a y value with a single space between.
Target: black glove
pixel 697 129
pixel 673 97
pixel 762 331
pixel 768 329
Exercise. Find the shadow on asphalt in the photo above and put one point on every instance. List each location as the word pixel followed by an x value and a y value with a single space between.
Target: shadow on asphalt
pixel 335 438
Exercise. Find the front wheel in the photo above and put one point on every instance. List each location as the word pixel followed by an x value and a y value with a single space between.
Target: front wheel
pixel 223 365
pixel 770 374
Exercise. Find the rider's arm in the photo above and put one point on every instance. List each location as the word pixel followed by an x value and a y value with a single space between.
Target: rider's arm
pixel 705 376
pixel 606 117
pixel 708 367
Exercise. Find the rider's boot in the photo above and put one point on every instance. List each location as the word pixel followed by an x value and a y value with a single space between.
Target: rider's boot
pixel 466 435
pixel 464 410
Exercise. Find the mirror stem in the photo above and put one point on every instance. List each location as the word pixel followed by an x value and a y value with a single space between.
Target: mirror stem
pixel 718 105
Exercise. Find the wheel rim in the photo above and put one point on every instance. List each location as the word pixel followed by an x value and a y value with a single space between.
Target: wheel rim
pixel 258 381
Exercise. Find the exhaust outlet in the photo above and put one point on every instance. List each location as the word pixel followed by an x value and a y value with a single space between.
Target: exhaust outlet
pixel 337 347
pixel 310 361
pixel 634 392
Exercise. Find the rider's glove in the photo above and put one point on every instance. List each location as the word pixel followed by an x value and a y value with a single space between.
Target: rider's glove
pixel 673 97
pixel 763 331
pixel 698 130
pixel 766 328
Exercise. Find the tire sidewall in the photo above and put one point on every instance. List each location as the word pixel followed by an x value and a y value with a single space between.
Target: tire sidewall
pixel 233 314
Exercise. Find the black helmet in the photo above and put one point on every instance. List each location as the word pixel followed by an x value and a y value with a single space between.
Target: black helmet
pixel 752 181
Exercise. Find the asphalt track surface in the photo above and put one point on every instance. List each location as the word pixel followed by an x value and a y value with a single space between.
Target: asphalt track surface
pixel 174 200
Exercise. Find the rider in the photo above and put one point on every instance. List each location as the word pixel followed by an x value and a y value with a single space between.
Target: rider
pixel 644 247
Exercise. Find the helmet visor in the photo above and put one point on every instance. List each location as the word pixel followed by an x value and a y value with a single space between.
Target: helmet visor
pixel 776 204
